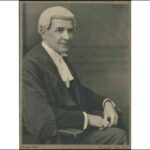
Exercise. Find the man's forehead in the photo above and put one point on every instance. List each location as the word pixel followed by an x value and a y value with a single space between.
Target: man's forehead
pixel 62 22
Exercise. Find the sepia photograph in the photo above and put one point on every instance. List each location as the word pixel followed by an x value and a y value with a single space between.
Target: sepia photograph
pixel 75 74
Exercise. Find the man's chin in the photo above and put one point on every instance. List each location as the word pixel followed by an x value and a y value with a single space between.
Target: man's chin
pixel 64 50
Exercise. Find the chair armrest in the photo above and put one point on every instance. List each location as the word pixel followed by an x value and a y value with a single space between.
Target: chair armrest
pixel 70 131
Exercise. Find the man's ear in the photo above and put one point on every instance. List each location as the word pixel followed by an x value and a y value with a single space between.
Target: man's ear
pixel 43 31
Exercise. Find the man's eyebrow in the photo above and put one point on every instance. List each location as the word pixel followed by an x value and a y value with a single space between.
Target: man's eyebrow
pixel 70 29
pixel 65 27
pixel 59 28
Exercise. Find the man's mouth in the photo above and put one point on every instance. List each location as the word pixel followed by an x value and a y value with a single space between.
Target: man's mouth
pixel 65 44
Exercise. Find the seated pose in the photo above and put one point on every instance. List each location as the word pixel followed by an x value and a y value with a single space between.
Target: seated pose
pixel 54 98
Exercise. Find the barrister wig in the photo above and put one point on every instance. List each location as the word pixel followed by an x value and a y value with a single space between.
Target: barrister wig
pixel 51 13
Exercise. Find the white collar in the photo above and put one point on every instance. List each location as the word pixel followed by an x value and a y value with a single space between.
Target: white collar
pixel 52 52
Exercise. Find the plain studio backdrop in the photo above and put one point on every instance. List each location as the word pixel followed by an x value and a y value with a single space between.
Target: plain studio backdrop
pixel 100 52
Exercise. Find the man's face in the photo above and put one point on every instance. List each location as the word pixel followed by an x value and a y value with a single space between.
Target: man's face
pixel 60 34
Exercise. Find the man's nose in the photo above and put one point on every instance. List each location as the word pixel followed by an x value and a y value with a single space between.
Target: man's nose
pixel 66 35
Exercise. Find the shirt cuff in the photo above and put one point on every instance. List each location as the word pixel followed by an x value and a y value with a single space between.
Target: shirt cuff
pixel 85 120
pixel 111 101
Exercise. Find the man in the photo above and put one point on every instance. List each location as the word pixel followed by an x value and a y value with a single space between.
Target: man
pixel 54 98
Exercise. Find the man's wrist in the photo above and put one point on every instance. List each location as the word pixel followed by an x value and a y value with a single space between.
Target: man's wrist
pixel 110 101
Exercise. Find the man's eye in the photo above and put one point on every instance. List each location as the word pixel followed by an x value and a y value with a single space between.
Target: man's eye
pixel 70 30
pixel 60 30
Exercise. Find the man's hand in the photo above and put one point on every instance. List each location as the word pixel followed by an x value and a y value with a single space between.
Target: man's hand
pixel 97 121
pixel 110 114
